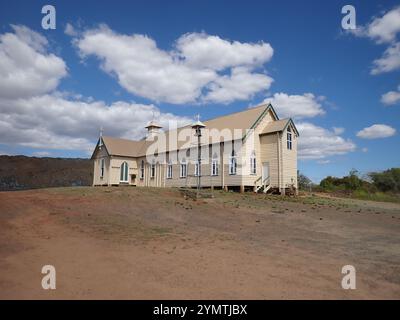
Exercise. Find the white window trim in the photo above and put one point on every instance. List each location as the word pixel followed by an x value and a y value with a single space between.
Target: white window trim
pixel 169 170
pixel 183 164
pixel 123 172
pixel 141 170
pixel 214 165
pixel 232 160
pixel 253 163
pixel 289 139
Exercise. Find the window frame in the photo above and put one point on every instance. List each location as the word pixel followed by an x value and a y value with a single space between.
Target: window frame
pixel 214 166
pixel 233 163
pixel 183 173
pixel 124 172
pixel 253 163
pixel 169 170
pixel 289 139
pixel 141 177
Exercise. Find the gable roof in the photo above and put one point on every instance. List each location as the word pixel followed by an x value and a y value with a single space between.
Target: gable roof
pixel 279 125
pixel 123 147
pixel 246 119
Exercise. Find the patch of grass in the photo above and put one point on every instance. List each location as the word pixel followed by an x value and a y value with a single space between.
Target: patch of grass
pixel 117 227
pixel 377 196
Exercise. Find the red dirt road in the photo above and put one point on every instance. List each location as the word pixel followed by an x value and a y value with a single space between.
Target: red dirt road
pixel 127 243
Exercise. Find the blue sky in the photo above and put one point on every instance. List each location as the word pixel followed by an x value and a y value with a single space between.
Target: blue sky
pixel 309 63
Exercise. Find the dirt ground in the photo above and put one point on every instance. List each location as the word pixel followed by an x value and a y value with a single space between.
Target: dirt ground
pixel 139 243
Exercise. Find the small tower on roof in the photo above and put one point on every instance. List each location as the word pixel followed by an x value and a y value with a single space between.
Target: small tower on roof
pixel 153 128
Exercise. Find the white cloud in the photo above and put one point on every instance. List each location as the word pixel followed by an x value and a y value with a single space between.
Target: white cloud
pixel 241 84
pixel 296 106
pixel 376 131
pixel 194 71
pixel 318 143
pixel 389 61
pixel 33 115
pixel 200 50
pixel 26 69
pixel 364 150
pixel 323 161
pixel 53 122
pixel 382 29
pixel 70 30
pixel 391 97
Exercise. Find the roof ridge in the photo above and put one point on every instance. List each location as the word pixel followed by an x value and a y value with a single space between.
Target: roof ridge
pixel 237 112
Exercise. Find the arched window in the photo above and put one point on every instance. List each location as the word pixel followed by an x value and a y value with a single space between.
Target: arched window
pixel 253 163
pixel 142 169
pixel 169 170
pixel 214 165
pixel 183 170
pixel 289 138
pixel 124 172
pixel 232 163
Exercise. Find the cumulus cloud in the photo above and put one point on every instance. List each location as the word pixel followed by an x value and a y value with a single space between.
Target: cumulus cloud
pixel 200 50
pixel 26 68
pixel 33 114
pixel 53 122
pixel 195 70
pixel 391 97
pixel 376 131
pixel 389 61
pixel 318 143
pixel 241 84
pixel 296 106
pixel 384 30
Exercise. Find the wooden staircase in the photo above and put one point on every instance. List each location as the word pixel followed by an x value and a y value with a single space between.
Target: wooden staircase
pixel 262 186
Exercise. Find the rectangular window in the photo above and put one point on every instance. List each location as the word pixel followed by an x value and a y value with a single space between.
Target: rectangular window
pixel 183 170
pixel 214 167
pixel 102 165
pixel 289 140
pixel 253 165
pixel 142 170
pixel 169 171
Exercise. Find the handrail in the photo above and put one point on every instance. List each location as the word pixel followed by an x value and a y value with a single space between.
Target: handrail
pixel 258 179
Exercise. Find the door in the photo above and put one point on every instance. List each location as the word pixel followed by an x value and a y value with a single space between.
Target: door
pixel 265 171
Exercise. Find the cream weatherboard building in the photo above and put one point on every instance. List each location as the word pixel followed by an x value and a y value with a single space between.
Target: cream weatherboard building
pixel 248 150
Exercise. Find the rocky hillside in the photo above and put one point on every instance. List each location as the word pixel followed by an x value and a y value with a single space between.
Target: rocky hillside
pixel 21 172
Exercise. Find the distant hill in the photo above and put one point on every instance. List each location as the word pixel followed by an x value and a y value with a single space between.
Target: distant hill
pixel 21 172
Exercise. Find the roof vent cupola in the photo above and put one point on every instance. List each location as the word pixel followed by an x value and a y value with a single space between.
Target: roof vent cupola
pixel 153 128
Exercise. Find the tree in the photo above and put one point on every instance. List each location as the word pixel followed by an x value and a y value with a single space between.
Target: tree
pixel 388 180
pixel 304 181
